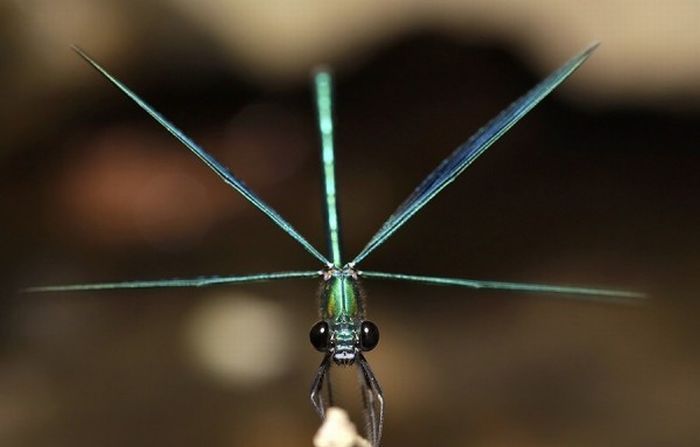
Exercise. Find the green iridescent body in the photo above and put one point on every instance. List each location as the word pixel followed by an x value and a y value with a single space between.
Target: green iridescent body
pixel 343 308
pixel 341 298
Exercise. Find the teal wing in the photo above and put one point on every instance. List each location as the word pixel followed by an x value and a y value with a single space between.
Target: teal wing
pixel 464 155
pixel 175 283
pixel 582 293
pixel 208 160
pixel 323 86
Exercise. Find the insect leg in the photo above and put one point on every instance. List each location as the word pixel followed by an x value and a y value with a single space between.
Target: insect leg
pixel 374 400
pixel 316 394
pixel 370 412
pixel 329 388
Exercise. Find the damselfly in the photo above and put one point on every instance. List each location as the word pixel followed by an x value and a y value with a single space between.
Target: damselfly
pixel 343 333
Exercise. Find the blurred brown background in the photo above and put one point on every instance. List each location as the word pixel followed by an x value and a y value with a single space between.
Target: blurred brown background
pixel 597 186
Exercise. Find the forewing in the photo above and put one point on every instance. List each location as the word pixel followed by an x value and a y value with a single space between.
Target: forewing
pixel 212 163
pixel 465 154
pixel 175 283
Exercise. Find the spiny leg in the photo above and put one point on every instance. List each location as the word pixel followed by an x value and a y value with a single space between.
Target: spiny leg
pixel 329 387
pixel 374 398
pixel 370 413
pixel 316 394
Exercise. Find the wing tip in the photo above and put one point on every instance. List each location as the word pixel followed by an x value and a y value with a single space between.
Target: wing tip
pixel 79 50
pixel 592 46
pixel 322 69
pixel 590 49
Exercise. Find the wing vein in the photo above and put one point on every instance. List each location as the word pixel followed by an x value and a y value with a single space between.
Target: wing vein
pixel 585 293
pixel 323 86
pixel 452 166
pixel 208 160
pixel 175 282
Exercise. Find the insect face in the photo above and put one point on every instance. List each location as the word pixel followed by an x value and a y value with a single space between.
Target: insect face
pixel 344 340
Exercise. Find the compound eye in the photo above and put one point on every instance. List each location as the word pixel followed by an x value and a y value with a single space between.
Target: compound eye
pixel 320 336
pixel 369 336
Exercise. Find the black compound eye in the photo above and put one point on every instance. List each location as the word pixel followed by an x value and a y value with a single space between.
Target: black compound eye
pixel 320 336
pixel 369 336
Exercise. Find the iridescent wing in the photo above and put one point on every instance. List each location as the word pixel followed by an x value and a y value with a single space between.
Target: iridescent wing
pixel 464 155
pixel 323 86
pixel 208 160
pixel 164 283
pixel 581 293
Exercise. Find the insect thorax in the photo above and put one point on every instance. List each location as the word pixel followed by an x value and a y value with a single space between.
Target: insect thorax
pixel 342 301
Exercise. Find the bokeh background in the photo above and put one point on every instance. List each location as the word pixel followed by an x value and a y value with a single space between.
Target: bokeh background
pixel 598 186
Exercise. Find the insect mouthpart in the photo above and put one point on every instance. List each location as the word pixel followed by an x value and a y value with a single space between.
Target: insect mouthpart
pixel 344 356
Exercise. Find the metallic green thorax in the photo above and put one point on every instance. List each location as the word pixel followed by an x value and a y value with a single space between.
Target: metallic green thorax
pixel 341 297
